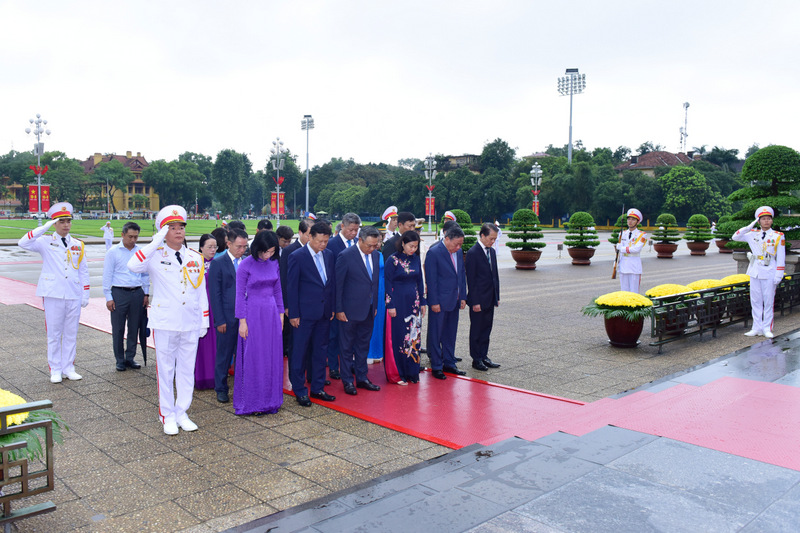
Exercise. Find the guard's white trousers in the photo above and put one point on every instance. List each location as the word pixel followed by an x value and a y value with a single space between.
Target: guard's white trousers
pixel 630 282
pixel 175 356
pixel 109 244
pixel 61 320
pixel 762 300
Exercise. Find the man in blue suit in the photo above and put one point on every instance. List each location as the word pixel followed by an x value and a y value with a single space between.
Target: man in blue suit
pixel 310 293
pixel 357 277
pixel 447 295
pixel 222 298
pixel 346 238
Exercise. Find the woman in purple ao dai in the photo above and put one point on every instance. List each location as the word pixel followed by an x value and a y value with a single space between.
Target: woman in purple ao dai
pixel 258 379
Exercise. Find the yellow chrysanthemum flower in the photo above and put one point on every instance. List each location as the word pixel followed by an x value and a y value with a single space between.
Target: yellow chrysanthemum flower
pixel 623 299
pixel 735 278
pixel 702 284
pixel 667 289
pixel 9 398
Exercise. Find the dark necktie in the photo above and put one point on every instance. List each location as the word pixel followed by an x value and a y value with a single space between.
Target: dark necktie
pixel 489 256
pixel 763 235
pixel 178 257
pixel 64 240
pixel 630 234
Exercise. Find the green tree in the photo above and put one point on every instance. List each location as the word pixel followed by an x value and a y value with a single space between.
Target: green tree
pixel 176 182
pixel 65 177
pixel 686 192
pixel 648 146
pixel 497 155
pixel 116 175
pixel 228 177
pixel 722 157
pixel 750 151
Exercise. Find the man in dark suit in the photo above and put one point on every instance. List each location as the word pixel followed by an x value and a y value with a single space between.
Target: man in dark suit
pixel 483 286
pixel 405 222
pixel 310 293
pixel 357 277
pixel 447 295
pixel 222 298
pixel 303 236
pixel 346 238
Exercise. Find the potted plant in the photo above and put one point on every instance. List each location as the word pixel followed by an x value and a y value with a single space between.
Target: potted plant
pixel 698 233
pixel 666 236
pixel 623 313
pixel 677 320
pixel 723 234
pixel 581 238
pixel 523 229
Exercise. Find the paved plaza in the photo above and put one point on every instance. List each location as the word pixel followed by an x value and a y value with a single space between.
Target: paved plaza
pixel 117 471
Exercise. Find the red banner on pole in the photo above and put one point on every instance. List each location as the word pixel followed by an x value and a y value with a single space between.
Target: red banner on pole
pixel 536 206
pixel 273 203
pixel 33 199
pixel 277 205
pixel 45 198
pixel 429 206
pixel 282 204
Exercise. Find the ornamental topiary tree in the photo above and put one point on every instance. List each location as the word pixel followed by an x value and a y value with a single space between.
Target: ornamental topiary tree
pixel 579 235
pixel 666 229
pixel 525 227
pixel 698 229
pixel 769 175
pixel 622 223
pixel 725 228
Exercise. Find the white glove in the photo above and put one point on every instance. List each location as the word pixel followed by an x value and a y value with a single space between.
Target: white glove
pixel 84 302
pixel 47 225
pixel 162 233
pixel 778 279
pixel 205 332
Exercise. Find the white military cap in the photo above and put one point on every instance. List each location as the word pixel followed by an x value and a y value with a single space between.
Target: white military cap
pixel 60 210
pixel 170 214
pixel 635 213
pixel 765 210
pixel 448 215
pixel 390 212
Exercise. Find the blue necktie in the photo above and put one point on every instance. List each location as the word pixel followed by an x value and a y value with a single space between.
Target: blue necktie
pixel 349 243
pixel 236 264
pixel 321 270
pixel 369 266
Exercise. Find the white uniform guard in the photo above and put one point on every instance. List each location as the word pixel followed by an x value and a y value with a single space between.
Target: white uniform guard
pixel 629 265
pixel 63 286
pixel 766 270
pixel 108 235
pixel 178 316
pixel 388 216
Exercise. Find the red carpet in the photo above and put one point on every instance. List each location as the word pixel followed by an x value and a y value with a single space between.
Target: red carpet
pixel 743 417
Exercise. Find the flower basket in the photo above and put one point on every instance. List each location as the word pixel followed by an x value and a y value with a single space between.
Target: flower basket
pixel 676 320
pixel 581 238
pixel 524 229
pixel 624 313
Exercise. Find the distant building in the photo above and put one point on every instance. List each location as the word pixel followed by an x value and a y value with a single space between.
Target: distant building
pixel 138 196
pixel 466 160
pixel 648 162
pixel 537 155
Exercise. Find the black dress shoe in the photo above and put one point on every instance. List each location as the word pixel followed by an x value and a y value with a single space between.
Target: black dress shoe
pixel 121 367
pixel 350 389
pixel 458 359
pixel 367 384
pixel 438 374
pixel 133 364
pixel 304 401
pixel 478 365
pixel 334 374
pixel 324 396
pixel 222 397
pixel 454 370
pixel 488 362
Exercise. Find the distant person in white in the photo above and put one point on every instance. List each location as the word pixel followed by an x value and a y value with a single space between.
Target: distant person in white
pixel 108 235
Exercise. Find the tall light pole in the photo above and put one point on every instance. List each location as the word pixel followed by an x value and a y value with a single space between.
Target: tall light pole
pixel 684 131
pixel 38 149
pixel 430 174
pixel 536 176
pixel 307 124
pixel 572 83
pixel 278 160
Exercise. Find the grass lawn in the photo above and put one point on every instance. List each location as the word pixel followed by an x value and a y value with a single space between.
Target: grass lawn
pixel 15 228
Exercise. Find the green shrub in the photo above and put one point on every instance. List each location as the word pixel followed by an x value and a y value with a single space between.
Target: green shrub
pixel 465 222
pixel 621 224
pixel 579 235
pixel 666 229
pixel 525 227
pixel 698 229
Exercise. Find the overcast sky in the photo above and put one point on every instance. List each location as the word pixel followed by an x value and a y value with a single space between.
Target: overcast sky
pixel 389 80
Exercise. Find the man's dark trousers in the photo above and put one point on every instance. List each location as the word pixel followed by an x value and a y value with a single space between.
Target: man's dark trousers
pixel 354 339
pixel 128 307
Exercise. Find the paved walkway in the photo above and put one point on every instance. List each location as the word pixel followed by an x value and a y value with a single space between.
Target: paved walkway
pixel 117 471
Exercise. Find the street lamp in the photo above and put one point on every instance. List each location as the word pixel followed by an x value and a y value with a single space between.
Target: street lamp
pixel 307 124
pixel 38 150
pixel 536 177
pixel 430 174
pixel 572 83
pixel 278 160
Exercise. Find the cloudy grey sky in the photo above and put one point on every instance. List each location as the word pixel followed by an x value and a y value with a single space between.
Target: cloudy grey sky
pixel 388 80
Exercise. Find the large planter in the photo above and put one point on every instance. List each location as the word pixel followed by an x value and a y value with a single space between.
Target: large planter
pixel 665 249
pixel 581 256
pixel 623 333
pixel 698 247
pixel 721 245
pixel 526 259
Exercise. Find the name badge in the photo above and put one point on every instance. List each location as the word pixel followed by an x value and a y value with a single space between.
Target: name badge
pixel 166 263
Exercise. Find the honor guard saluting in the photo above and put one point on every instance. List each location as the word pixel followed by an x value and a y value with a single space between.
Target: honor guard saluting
pixel 178 313
pixel 63 286
pixel 390 217
pixel 766 269
pixel 629 247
